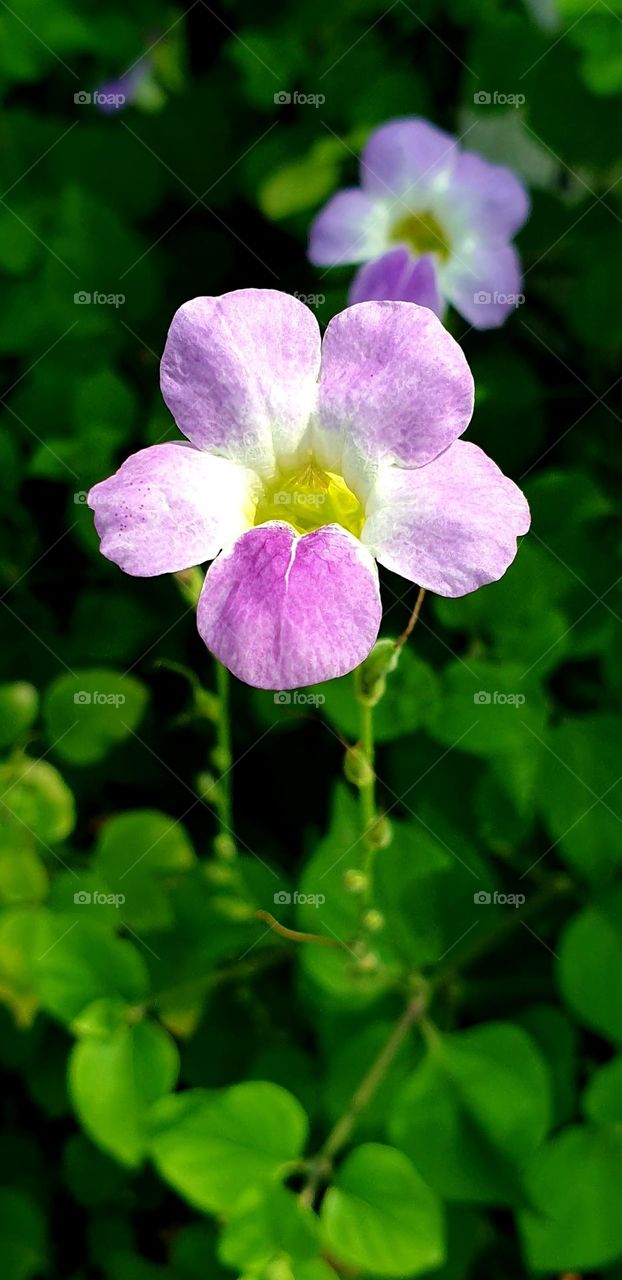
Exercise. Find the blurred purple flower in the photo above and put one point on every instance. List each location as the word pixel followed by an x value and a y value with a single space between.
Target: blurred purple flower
pixel 305 462
pixel 115 95
pixel 430 222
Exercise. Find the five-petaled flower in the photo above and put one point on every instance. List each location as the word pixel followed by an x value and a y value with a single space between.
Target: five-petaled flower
pixel 431 223
pixel 304 463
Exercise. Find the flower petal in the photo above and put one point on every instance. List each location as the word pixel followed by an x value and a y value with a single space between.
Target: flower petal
pixel 409 159
pixel 170 507
pixel 281 611
pixel 450 526
pixel 488 199
pixel 400 276
pixel 352 227
pixel 239 374
pixel 394 385
pixel 485 286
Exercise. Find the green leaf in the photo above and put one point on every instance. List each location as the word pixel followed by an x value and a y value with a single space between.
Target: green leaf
pixel 268 1222
pixel 590 966
pixel 138 854
pixel 19 706
pixel 21 936
pixel 304 182
pixel 487 708
pixel 380 1215
pixel 80 962
pixel 87 714
pixel 473 1113
pixel 22 1236
pixel 23 876
pixel 577 793
pixel 211 1147
pixel 574 1185
pixel 602 1100
pixel 35 797
pixel 424 886
pixel 114 1082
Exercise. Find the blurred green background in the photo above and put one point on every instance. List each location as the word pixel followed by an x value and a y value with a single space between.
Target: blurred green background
pixel 500 751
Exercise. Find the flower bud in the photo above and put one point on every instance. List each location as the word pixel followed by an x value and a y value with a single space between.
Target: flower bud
pixel 355 881
pixel 357 768
pixel 380 834
pixel 224 846
pixel 373 921
pixel 371 675
pixel 207 788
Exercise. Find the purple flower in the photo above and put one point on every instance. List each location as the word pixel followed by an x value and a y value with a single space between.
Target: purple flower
pixel 304 463
pixel 430 222
pixel 117 94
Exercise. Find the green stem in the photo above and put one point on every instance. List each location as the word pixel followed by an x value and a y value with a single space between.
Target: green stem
pixel 368 789
pixel 342 1130
pixel 223 756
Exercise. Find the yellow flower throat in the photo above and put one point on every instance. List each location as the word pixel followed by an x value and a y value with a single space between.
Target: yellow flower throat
pixel 308 498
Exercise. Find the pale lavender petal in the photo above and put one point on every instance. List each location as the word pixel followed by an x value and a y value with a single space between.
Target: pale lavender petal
pixel 485 287
pixel 487 199
pixel 239 374
pixel 170 507
pixel 394 384
pixel 450 526
pixel 352 227
pixel 282 611
pixel 400 276
pixel 407 158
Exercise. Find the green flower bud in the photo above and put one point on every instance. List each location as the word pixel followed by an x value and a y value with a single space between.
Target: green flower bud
pixel 357 768
pixel 373 920
pixel 380 834
pixel 224 846
pixel 355 881
pixel 371 675
pixel 221 760
pixel 207 787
